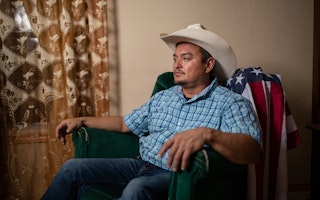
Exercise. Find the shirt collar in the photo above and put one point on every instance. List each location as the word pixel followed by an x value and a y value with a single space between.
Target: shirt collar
pixel 203 93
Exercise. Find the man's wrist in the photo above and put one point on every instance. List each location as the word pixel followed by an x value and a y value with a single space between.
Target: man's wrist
pixel 82 122
pixel 208 135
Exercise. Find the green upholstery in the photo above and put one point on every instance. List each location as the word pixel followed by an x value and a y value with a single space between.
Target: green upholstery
pixel 100 146
pixel 164 81
pixel 208 176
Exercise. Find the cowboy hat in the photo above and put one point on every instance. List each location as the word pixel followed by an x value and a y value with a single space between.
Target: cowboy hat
pixel 221 51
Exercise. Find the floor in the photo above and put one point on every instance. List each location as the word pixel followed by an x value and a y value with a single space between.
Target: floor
pixel 299 195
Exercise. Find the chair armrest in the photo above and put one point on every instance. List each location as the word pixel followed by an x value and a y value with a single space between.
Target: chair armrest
pixel 98 143
pixel 219 165
pixel 209 171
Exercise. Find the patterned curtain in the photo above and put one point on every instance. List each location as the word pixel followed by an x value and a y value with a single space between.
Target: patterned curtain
pixel 53 65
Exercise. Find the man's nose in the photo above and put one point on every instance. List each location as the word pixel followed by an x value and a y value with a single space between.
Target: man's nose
pixel 177 64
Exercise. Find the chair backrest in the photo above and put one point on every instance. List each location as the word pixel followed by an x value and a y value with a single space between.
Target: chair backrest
pixel 164 81
pixel 267 96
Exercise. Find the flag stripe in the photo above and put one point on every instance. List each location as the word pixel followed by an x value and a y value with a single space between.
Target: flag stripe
pixel 278 127
pixel 258 95
pixel 276 116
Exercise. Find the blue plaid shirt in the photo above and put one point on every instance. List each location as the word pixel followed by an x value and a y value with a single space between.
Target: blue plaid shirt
pixel 169 112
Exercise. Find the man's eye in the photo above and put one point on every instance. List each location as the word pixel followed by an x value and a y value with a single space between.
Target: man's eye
pixel 186 59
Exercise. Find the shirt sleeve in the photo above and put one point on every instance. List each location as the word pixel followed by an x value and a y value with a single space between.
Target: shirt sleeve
pixel 241 118
pixel 137 120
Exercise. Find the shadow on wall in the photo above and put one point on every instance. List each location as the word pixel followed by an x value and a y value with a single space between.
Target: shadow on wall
pixel 114 83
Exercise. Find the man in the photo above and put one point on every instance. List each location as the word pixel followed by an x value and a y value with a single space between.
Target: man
pixel 172 125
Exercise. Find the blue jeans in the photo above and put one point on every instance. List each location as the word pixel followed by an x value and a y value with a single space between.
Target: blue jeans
pixel 136 178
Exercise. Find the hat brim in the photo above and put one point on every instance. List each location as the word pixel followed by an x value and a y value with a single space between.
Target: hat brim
pixel 221 51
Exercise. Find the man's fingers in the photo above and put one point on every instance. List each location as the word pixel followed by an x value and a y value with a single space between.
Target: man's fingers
pixel 63 140
pixel 58 128
pixel 180 156
pixel 179 151
pixel 165 147
pixel 172 157
pixel 61 128
pixel 66 127
pixel 61 134
pixel 185 159
pixel 176 159
pixel 71 126
pixel 61 131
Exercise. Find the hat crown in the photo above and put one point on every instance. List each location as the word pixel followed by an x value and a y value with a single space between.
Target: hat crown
pixel 196 26
pixel 197 34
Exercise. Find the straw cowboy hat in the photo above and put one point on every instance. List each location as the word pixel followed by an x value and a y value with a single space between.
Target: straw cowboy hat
pixel 221 51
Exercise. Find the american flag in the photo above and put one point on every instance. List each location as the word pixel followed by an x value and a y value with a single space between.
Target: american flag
pixel 268 177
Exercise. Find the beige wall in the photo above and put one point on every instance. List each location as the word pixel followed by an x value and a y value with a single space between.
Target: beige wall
pixel 273 34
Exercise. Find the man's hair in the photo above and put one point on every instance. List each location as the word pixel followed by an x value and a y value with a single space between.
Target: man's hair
pixel 205 56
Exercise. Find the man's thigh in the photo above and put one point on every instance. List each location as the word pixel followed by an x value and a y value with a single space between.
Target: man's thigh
pixel 151 183
pixel 107 172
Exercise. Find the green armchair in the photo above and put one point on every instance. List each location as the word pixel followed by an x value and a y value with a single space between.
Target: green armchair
pixel 208 176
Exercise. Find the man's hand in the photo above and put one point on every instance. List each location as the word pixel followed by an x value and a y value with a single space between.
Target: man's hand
pixel 181 146
pixel 66 127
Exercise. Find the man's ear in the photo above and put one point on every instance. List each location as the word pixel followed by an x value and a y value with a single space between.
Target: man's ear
pixel 210 64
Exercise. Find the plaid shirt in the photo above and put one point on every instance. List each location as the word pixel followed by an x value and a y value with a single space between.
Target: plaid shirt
pixel 168 112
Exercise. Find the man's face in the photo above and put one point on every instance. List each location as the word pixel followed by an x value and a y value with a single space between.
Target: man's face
pixel 188 68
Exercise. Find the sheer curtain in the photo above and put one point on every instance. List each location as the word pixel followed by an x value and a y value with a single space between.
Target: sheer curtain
pixel 53 65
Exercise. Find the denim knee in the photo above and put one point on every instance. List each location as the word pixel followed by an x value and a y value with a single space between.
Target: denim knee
pixel 136 189
pixel 72 164
pixel 65 182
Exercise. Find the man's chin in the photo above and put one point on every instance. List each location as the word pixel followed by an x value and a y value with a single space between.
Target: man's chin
pixel 179 82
